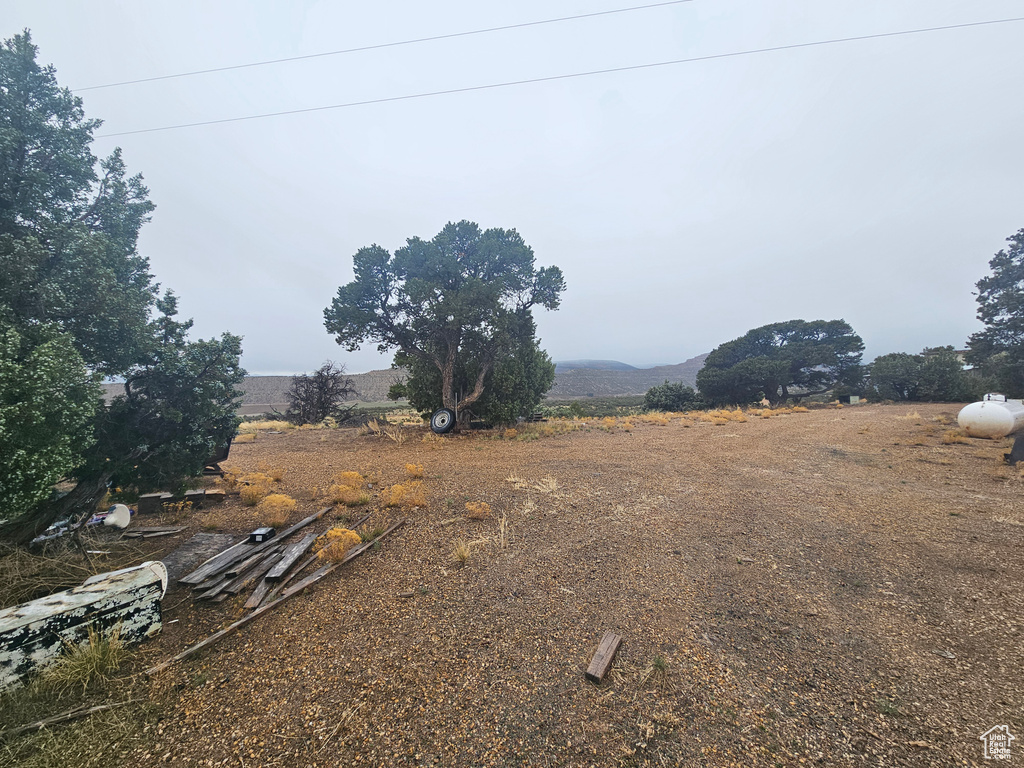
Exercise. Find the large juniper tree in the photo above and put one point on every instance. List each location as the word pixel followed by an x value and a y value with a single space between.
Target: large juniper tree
pixel 458 307
pixel 78 303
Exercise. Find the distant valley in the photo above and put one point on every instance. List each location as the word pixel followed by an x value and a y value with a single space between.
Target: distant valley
pixel 573 379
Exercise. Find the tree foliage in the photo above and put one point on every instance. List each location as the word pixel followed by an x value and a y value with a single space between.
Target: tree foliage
pixel 77 303
pixel 47 404
pixel 780 361
pixel 998 349
pixel 672 397
pixel 317 396
pixel 515 388
pixel 935 375
pixel 460 303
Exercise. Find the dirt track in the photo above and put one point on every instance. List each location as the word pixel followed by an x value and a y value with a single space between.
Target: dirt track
pixel 836 587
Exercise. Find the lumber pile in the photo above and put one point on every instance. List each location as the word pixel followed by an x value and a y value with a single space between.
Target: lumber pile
pixel 256 561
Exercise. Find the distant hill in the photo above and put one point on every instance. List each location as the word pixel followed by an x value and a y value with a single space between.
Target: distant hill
pixel 589 382
pixel 598 365
pixel 263 394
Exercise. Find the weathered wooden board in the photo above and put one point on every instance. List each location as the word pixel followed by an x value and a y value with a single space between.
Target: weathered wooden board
pixel 257 595
pixel 33 635
pixel 244 549
pixel 602 661
pixel 291 554
pixel 243 580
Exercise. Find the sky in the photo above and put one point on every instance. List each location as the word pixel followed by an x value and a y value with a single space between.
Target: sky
pixel 869 180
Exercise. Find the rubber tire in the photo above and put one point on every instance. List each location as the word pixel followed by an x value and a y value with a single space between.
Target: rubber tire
pixel 442 421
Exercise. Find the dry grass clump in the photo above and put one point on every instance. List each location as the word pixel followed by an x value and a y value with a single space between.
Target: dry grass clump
pixel 410 495
pixel 461 552
pixel 510 433
pixel 249 437
pixel 608 422
pixel 433 440
pixel 658 419
pixel 549 428
pixel 254 487
pixel 912 416
pixel 252 427
pixel 800 409
pixel 347 495
pixel 478 510
pixel 88 663
pixel 517 482
pixel 955 437
pixel 336 543
pixel 546 485
pixel 350 478
pixel 414 470
pixel 275 509
pixel 274 473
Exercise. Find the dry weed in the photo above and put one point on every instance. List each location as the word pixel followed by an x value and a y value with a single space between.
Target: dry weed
pixel 955 437
pixel 351 479
pixel 347 495
pixel 461 552
pixel 275 509
pixel 90 662
pixel 273 425
pixel 477 510
pixel 546 485
pixel 336 543
pixel 414 470
pixel 255 486
pixel 274 473
pixel 249 437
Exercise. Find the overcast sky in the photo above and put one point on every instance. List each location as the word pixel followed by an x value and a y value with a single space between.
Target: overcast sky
pixel 868 180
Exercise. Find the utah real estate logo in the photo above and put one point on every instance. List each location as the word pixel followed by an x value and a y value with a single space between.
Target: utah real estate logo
pixel 997 742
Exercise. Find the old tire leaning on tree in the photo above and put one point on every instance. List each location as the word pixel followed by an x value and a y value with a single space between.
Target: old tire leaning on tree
pixel 442 421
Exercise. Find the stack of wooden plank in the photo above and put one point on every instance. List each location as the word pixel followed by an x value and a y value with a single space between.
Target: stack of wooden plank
pixel 240 566
pixel 272 596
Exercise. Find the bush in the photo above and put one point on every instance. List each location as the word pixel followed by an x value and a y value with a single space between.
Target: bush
pixel 672 397
pixel 318 396
pixel 275 509
pixel 336 543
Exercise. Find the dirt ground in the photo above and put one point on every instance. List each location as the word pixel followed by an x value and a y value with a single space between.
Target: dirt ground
pixel 836 587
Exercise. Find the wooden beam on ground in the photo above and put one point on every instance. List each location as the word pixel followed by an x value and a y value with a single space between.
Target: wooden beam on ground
pixel 258 594
pixel 244 580
pixel 602 661
pixel 303 566
pixel 288 593
pixel 291 554
pixel 244 549
pixel 74 714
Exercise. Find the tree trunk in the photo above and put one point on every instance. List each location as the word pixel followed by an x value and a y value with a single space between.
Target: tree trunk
pixel 81 499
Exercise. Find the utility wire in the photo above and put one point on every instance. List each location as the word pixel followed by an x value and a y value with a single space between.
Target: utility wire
pixel 382 45
pixel 552 78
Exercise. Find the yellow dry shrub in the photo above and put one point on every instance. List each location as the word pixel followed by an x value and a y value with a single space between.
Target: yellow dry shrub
pixel 254 487
pixel 347 495
pixel 627 425
pixel 393 496
pixel 351 479
pixel 249 437
pixel 955 437
pixel 415 496
pixel 336 543
pixel 510 433
pixel 277 425
pixel 478 510
pixel 659 419
pixel 414 470
pixel 609 422
pixel 274 473
pixel 231 476
pixel 275 509
pixel 800 409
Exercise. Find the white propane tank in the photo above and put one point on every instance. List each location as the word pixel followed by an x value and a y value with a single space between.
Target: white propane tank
pixel 992 418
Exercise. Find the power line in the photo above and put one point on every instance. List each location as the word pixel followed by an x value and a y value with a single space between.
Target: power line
pixel 383 45
pixel 552 78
